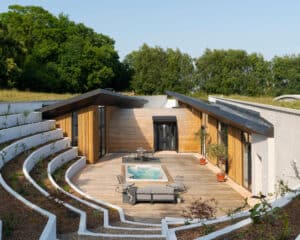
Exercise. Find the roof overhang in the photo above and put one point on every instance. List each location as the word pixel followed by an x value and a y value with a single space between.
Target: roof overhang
pixel 243 119
pixel 164 119
pixel 95 97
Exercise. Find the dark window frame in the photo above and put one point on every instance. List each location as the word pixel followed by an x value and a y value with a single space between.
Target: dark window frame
pixel 74 129
pixel 102 130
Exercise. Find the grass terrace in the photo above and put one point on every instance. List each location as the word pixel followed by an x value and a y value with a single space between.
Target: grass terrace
pixel 16 95
pixel 256 99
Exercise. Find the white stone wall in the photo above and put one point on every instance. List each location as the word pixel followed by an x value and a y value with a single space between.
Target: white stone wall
pixel 12 133
pixel 263 166
pixel 14 149
pixel 7 108
pixel 8 121
pixel 282 150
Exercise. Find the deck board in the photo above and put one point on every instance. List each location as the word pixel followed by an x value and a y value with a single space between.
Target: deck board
pixel 99 180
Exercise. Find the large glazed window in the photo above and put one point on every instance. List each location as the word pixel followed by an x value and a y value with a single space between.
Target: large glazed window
pixel 247 161
pixel 102 124
pixel 223 133
pixel 74 128
pixel 223 139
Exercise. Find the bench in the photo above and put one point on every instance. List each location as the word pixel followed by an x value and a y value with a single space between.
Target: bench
pixel 152 194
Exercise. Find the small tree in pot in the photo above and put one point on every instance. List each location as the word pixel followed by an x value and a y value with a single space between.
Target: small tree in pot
pixel 219 151
pixel 202 135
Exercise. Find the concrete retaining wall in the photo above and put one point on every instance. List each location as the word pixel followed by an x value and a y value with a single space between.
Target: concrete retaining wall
pixel 19 119
pixel 41 154
pixel 61 159
pixel 12 133
pixel 21 107
pixel 11 151
pixel 49 232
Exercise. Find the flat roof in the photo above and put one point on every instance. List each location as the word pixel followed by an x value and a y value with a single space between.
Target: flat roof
pixel 95 97
pixel 244 119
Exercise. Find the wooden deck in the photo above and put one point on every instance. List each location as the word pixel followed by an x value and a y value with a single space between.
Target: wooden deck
pixel 99 180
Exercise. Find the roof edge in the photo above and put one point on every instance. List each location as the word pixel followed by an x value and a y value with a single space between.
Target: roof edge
pixel 218 113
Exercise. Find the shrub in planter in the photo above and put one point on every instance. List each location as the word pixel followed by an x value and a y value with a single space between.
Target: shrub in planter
pixel 219 151
pixel 200 209
pixel 202 135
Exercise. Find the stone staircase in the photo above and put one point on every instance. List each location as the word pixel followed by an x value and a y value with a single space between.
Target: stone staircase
pixel 36 166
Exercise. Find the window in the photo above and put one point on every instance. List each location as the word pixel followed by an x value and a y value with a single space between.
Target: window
pixel 223 139
pixel 102 126
pixel 223 133
pixel 247 160
pixel 74 129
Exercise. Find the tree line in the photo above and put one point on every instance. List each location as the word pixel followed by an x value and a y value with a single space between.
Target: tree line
pixel 43 52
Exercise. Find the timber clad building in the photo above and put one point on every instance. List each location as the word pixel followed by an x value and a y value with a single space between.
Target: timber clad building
pixel 101 122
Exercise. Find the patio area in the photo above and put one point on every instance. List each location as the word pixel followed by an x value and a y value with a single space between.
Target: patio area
pixel 99 180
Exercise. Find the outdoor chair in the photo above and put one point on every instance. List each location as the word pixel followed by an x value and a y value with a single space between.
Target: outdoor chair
pixel 178 184
pixel 122 184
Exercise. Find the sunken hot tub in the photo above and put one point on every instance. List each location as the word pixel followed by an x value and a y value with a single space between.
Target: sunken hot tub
pixel 145 172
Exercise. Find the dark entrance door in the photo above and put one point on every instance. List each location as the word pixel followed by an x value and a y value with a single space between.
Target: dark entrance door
pixel 165 134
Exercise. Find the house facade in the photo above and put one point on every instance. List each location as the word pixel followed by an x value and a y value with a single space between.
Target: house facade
pixel 101 122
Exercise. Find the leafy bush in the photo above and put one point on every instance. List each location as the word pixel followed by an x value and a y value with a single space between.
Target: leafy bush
pixel 200 209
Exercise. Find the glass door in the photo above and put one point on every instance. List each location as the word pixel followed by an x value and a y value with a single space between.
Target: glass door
pixel 247 165
pixel 74 129
pixel 102 126
pixel 165 136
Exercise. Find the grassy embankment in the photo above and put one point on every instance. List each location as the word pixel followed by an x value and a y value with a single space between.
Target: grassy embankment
pixel 258 99
pixel 15 96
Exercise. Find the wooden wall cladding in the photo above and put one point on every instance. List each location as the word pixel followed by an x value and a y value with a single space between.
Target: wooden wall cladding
pixel 212 130
pixel 65 123
pixel 128 129
pixel 88 133
pixel 235 155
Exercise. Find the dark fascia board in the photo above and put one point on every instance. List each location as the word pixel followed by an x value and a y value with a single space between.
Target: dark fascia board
pixel 245 123
pixel 162 119
pixel 95 97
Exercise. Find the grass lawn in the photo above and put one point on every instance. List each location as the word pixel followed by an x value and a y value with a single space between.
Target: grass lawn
pixel 258 99
pixel 267 100
pixel 16 95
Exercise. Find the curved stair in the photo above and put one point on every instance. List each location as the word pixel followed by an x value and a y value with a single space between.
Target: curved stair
pixel 26 139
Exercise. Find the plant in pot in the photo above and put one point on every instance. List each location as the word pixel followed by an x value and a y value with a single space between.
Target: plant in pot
pixel 219 151
pixel 178 197
pixel 202 134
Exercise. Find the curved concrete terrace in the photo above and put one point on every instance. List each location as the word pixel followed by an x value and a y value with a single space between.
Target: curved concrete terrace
pixel 99 181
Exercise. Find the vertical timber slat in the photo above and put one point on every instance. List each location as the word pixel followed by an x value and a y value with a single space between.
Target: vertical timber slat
pixel 235 155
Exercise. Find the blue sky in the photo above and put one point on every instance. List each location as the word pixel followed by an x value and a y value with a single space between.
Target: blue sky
pixel 267 27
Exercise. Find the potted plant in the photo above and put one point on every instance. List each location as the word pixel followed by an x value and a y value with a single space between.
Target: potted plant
pixel 178 197
pixel 202 160
pixel 219 151
pixel 202 134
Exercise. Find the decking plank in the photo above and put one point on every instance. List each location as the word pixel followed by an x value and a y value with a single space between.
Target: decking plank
pixel 99 181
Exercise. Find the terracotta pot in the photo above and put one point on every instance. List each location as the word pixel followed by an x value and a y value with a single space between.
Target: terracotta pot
pixel 202 161
pixel 221 177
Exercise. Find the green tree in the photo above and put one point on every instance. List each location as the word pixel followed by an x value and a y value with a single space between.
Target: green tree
pixel 232 72
pixel 61 56
pixel 155 70
pixel 286 71
pixel 12 55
